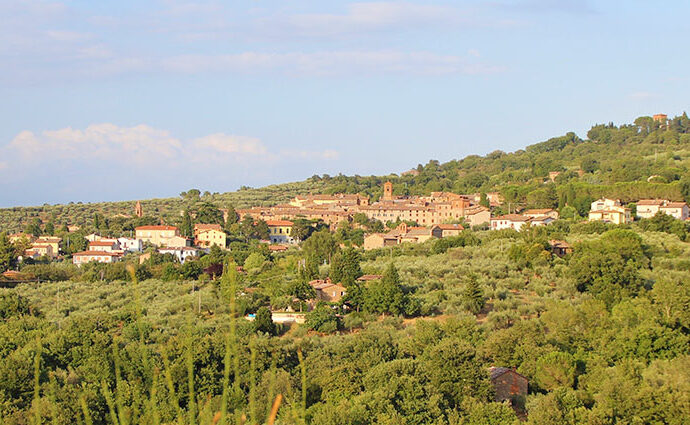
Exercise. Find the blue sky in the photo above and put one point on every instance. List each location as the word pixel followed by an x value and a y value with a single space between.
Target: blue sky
pixel 133 99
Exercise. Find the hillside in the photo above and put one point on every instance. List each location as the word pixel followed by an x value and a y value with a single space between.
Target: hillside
pixel 645 159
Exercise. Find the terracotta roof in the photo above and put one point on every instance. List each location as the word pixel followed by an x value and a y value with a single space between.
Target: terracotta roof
pixel 538 211
pixel 279 223
pixel 559 244
pixel 450 226
pixel 650 202
pixel 207 227
pixel 674 205
pixel 412 231
pixel 495 372
pixel 95 253
pixel 511 217
pixel 475 210
pixel 156 228
pixel 101 243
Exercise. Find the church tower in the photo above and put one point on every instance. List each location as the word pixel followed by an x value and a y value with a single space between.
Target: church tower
pixel 138 210
pixel 388 191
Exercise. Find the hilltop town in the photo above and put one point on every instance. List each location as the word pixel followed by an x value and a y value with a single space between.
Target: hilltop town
pixel 540 286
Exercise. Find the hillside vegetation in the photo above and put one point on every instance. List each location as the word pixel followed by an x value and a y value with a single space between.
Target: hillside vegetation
pixel 601 332
pixel 603 335
pixel 645 159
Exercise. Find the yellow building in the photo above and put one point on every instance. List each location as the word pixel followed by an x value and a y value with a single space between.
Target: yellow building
pixel 610 210
pixel 53 241
pixel 615 216
pixel 279 231
pixel 157 235
pixel 209 234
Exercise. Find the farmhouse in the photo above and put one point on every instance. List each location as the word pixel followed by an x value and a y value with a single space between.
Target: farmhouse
pixel 508 385
pixel 209 234
pixel 94 256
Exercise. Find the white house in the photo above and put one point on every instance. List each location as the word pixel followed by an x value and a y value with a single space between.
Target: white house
pixel 678 210
pixel 647 208
pixel 509 221
pixel 182 253
pixel 130 244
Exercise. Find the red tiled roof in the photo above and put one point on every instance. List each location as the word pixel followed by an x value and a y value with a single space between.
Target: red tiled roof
pixel 450 226
pixel 156 228
pixel 674 205
pixel 207 227
pixel 538 211
pixel 279 223
pixel 650 202
pixel 277 248
pixel 101 243
pixel 95 254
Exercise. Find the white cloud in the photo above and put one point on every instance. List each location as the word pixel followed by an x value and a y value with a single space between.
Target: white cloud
pixel 97 142
pixel 224 143
pixel 111 150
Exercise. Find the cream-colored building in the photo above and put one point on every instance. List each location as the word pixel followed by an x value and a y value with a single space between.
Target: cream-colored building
pixel 38 250
pixel 158 235
pixel 609 210
pixel 647 208
pixel 510 221
pixel 94 256
pixel 677 210
pixel 104 245
pixel 53 241
pixel 541 212
pixel 209 234
pixel 447 230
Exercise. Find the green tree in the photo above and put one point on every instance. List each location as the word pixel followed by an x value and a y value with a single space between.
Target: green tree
pixel 302 290
pixel 345 267
pixel 187 227
pixel 609 268
pixel 261 230
pixel 386 295
pixel 555 369
pixel 232 217
pixel 473 296
pixel 208 213
pixel 484 200
pixel 320 247
pixel 49 228
pixel 7 252
pixel 322 319
pixel 254 262
pixel 34 227
pixel 263 321
pixel 191 270
pixel 301 229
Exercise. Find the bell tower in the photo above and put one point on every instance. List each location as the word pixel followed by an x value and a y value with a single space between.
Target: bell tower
pixel 388 191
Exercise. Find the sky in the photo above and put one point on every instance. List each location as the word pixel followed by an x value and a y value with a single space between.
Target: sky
pixel 107 101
